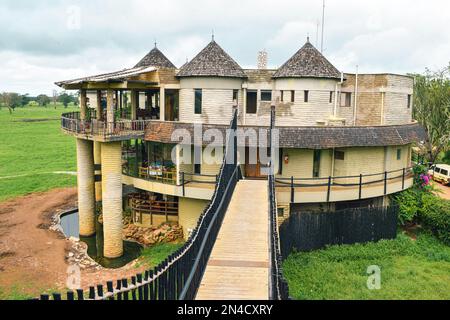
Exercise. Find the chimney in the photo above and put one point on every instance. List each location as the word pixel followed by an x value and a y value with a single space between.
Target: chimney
pixel 262 60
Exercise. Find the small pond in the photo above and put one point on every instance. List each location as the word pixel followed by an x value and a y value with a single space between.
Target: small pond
pixel 70 226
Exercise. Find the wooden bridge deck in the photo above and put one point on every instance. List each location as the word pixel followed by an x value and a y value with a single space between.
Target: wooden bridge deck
pixel 238 268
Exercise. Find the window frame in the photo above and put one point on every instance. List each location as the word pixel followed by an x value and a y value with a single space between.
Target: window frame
pixel 247 110
pixel 306 96
pixel 266 92
pixel 292 96
pixel 339 152
pixel 198 109
pixel 399 154
pixel 236 96
pixel 331 97
pixel 409 101
pixel 317 155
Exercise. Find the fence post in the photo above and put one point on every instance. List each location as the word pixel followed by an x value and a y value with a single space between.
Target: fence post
pixel 385 182
pixel 292 190
pixel 360 186
pixel 182 183
pixel 403 179
pixel 329 189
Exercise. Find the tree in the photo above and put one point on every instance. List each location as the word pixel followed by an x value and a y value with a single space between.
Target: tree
pixel 11 100
pixel 432 109
pixel 43 100
pixel 65 99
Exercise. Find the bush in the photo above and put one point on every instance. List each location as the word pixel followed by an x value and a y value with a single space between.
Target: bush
pixel 434 213
pixel 408 203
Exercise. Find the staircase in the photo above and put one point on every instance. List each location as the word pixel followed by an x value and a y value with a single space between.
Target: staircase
pixel 238 268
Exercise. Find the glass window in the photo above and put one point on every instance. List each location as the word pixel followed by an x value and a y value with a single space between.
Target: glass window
pixel 346 99
pixel 306 96
pixel 444 172
pixel 280 212
pixel 282 95
pixel 266 95
pixel 251 101
pixel 235 96
pixel 197 169
pixel 339 155
pixel 292 96
pixel 399 154
pixel 331 96
pixel 437 170
pixel 409 101
pixel 198 101
pixel 316 164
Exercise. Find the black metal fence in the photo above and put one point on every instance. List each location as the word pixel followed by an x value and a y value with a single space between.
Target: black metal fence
pixel 179 276
pixel 314 230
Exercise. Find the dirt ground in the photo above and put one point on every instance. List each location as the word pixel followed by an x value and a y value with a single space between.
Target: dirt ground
pixel 445 194
pixel 32 257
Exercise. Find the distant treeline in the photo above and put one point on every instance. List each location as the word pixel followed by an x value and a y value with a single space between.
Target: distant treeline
pixel 12 100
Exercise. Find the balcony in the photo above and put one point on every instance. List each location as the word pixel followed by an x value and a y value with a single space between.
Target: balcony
pixel 93 129
pixel 345 188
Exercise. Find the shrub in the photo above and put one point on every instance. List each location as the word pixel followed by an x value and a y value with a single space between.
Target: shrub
pixel 434 213
pixel 408 203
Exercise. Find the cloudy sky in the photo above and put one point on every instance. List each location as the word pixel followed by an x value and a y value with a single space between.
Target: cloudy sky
pixel 44 41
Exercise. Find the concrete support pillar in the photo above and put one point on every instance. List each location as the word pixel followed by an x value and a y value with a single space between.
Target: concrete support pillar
pixel 98 171
pixel 86 193
pixel 98 107
pixel 110 110
pixel 83 104
pixel 162 104
pixel 134 97
pixel 112 198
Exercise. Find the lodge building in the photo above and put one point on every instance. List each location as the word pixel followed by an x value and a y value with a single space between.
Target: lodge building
pixel 344 139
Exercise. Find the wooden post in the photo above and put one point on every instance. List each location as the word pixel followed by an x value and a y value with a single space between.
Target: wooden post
pixel 98 107
pixel 83 104
pixel 110 111
pixel 134 104
pixel 182 183
pixel 385 182
pixel 329 189
pixel 162 104
pixel 403 179
pixel 360 186
pixel 292 190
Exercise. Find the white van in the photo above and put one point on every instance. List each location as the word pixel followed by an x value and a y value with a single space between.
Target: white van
pixel 440 172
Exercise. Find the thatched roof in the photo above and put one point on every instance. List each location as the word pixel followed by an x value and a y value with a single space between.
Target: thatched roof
pixel 212 61
pixel 155 58
pixel 308 62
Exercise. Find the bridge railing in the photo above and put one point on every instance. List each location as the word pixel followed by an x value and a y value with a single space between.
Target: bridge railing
pixel 178 277
pixel 278 288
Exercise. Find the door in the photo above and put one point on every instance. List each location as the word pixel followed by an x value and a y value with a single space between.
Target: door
pixel 252 167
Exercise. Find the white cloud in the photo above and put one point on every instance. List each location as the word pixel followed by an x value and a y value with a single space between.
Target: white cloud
pixel 37 48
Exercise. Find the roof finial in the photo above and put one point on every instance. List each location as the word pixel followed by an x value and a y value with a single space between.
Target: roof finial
pixel 212 35
pixel 307 38
pixel 156 43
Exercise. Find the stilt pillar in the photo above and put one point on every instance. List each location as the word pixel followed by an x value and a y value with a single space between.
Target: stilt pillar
pixel 86 193
pixel 112 198
pixel 98 171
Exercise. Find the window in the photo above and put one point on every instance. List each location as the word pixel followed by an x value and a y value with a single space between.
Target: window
pixel 346 99
pixel 251 101
pixel 266 95
pixel 316 164
pixel 197 169
pixel 235 96
pixel 409 101
pixel 331 96
pixel 292 96
pixel 280 212
pixel 198 101
pixel 306 96
pixel 437 170
pixel 339 155
pixel 399 154
pixel 444 172
pixel 282 95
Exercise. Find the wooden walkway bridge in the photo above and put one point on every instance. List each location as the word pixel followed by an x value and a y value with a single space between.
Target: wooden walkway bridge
pixel 238 268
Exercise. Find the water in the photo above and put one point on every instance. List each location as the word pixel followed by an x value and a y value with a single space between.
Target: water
pixel 70 226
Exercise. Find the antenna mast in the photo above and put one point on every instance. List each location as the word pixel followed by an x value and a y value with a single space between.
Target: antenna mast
pixel 323 26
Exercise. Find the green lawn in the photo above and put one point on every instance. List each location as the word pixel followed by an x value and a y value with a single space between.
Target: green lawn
pixel 34 150
pixel 410 269
pixel 154 255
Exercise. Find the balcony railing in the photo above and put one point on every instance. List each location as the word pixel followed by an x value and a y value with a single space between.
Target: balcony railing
pixel 144 205
pixel 358 183
pixel 71 122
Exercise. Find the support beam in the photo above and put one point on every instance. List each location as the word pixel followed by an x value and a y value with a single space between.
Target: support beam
pixel 110 110
pixel 98 171
pixel 134 97
pixel 112 198
pixel 98 107
pixel 83 104
pixel 162 104
pixel 86 193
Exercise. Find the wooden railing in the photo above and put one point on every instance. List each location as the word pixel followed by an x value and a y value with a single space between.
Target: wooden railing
pixel 144 206
pixel 158 175
pixel 71 122
pixel 356 182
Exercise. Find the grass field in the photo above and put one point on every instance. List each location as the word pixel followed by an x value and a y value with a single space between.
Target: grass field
pixel 410 269
pixel 31 151
pixel 152 256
